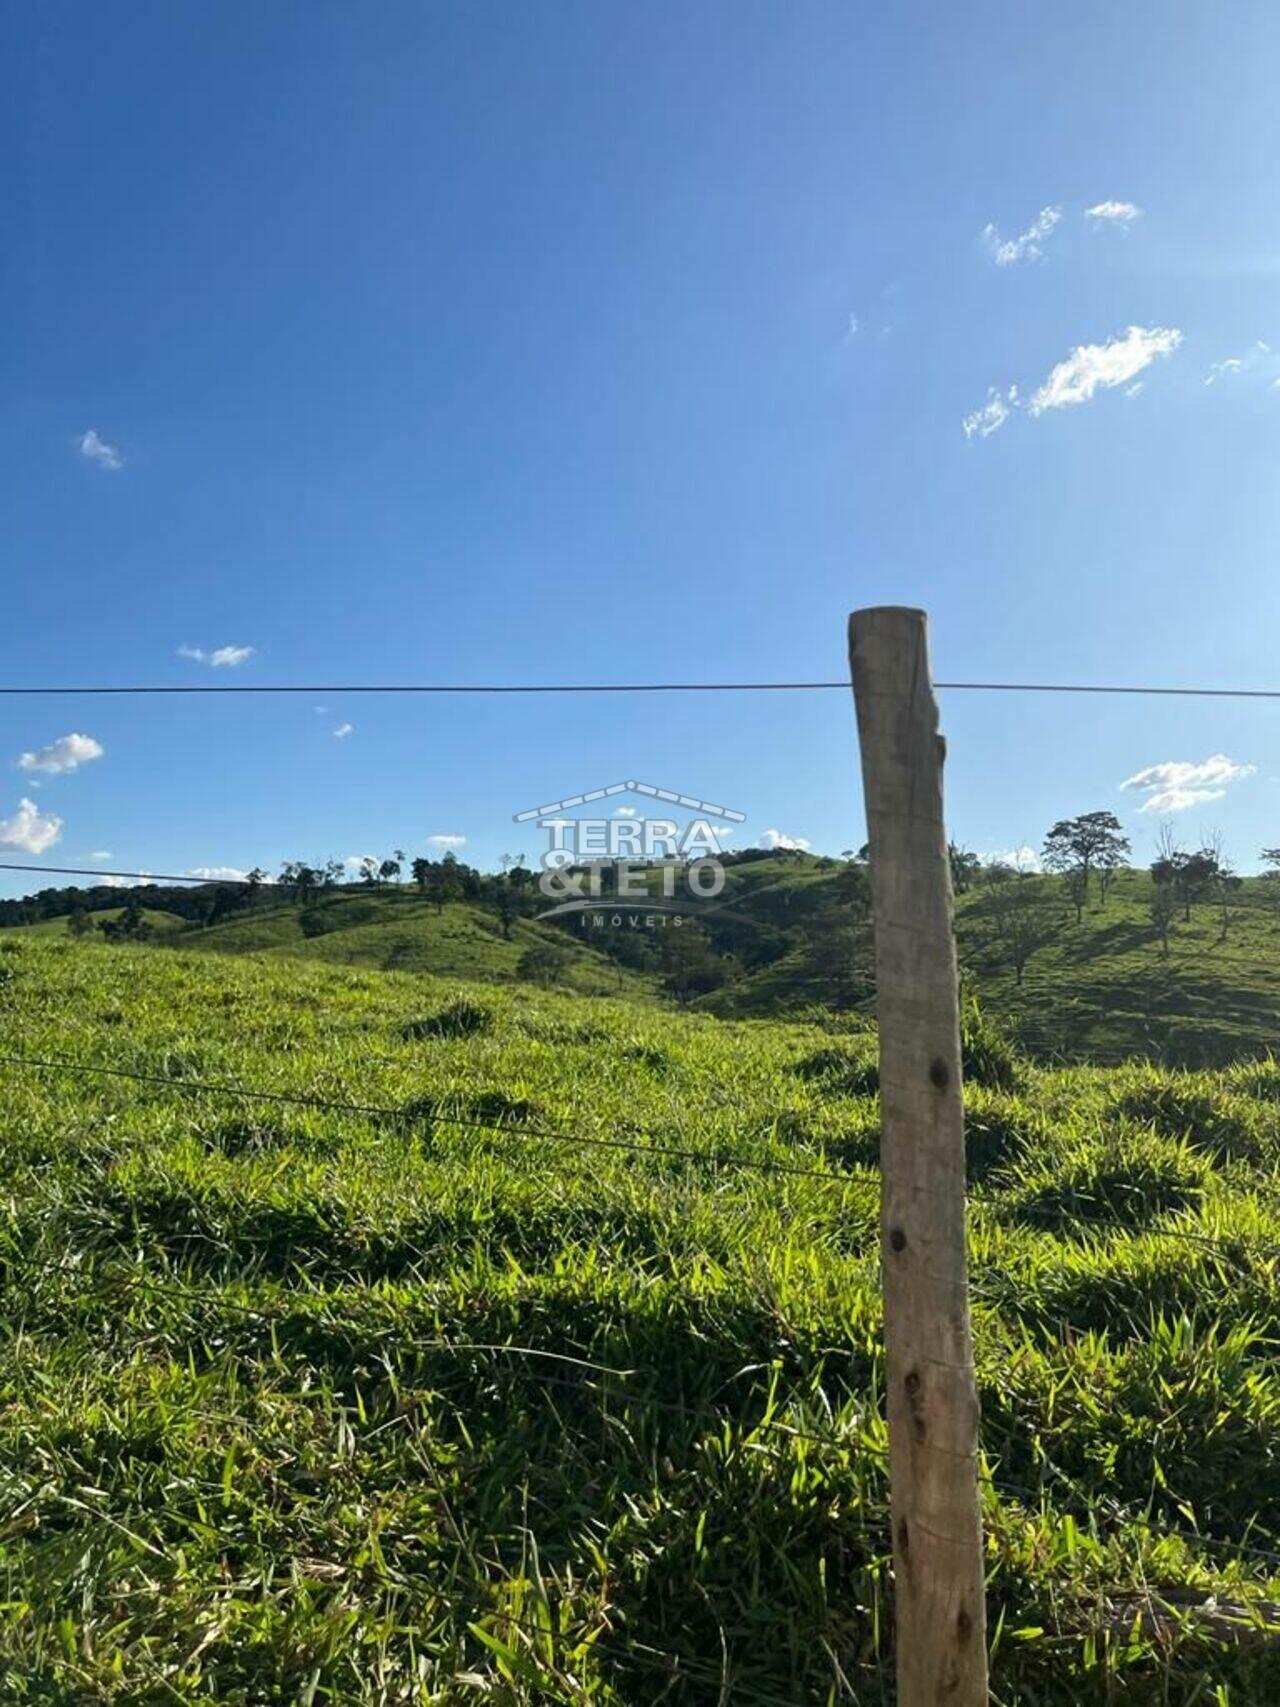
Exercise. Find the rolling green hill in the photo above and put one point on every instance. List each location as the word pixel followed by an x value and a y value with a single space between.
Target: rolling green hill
pixel 790 934
pixel 526 1347
pixel 395 931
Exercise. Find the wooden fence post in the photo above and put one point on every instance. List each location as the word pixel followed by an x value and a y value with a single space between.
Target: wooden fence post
pixel 931 1392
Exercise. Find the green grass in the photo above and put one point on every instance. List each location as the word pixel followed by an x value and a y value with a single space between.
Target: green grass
pixel 256 1446
pixel 394 930
pixel 1103 989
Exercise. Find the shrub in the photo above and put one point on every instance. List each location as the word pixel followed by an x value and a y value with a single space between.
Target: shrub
pixel 460 1019
pixel 1192 1106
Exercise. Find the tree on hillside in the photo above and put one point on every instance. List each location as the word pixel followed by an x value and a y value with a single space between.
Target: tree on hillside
pixel 445 885
pixel 1190 876
pixel 965 866
pixel 130 926
pixel 1163 906
pixel 545 963
pixel 78 921
pixel 1225 888
pixel 390 869
pixel 1077 847
pixel 1270 857
pixel 1021 914
pixel 1163 909
pixel 421 872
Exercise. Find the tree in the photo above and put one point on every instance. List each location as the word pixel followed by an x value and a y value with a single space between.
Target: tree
pixel 1163 906
pixel 78 921
pixel 421 872
pixel 390 869
pixel 965 867
pixel 691 966
pixel 369 871
pixel 1022 917
pixel 1270 857
pixel 1189 876
pixel 1077 847
pixel 1163 909
pixel 1225 886
pixel 544 964
pixel 130 926
pixel 445 886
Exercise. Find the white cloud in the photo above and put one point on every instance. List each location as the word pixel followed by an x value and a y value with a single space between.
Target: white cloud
pixel 1006 252
pixel 447 841
pixel 779 839
pixel 1113 213
pixel 108 882
pixel 626 811
pixel 67 753
pixel 992 415
pixel 98 450
pixel 212 873
pixel 1024 858
pixel 1090 366
pixel 853 327
pixel 353 862
pixel 100 853
pixel 1135 389
pixel 342 731
pixel 221 658
pixel 29 829
pixel 1176 784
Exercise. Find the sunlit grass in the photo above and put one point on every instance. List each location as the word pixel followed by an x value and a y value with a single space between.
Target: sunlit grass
pixel 260 1440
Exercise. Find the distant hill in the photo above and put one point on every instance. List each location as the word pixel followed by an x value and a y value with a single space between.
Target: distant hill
pixel 791 934
pixel 396 931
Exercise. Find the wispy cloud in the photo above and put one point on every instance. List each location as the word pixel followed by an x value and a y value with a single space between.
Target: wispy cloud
pixel 342 731
pixel 220 658
pixel 106 881
pixel 447 841
pixel 100 853
pixel 30 830
pixel 96 449
pixel 1029 245
pixel 1093 367
pixel 227 873
pixel 67 753
pixel 1175 784
pixel 1259 355
pixel 780 839
pixel 1113 213
pixel 626 811
pixel 992 415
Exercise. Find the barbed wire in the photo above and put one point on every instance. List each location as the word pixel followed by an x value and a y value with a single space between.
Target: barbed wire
pixel 422 1115
pixel 841 685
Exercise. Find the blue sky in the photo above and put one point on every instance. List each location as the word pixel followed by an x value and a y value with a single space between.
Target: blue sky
pixel 592 342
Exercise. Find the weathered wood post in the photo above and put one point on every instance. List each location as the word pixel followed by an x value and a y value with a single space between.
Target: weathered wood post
pixel 931 1396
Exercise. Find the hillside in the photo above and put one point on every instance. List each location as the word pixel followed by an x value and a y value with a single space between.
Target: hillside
pixel 527 1347
pixel 395 931
pixel 790 934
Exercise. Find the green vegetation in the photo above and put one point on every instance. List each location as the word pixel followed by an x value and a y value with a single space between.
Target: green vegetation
pixel 1094 962
pixel 265 1435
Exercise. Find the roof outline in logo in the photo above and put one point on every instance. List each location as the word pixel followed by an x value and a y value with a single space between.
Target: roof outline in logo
pixel 668 795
